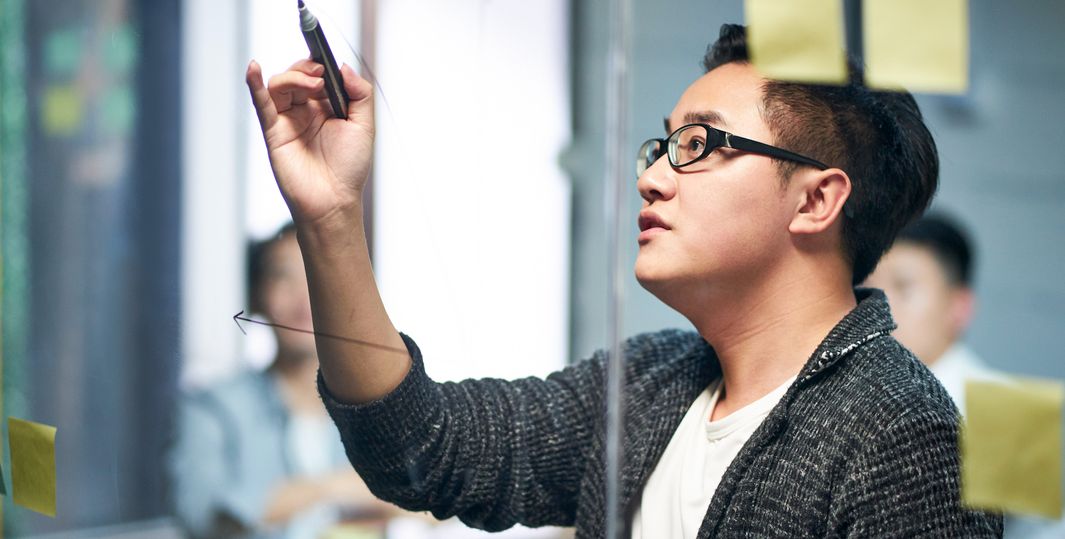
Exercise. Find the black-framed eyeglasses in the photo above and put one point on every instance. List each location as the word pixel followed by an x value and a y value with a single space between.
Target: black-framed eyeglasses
pixel 693 142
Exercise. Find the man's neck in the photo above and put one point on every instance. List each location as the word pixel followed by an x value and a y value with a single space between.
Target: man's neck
pixel 764 336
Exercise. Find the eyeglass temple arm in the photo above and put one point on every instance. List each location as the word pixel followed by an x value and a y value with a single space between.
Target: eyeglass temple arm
pixel 748 145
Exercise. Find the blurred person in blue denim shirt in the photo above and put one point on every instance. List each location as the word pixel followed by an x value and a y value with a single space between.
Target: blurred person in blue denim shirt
pixel 256 455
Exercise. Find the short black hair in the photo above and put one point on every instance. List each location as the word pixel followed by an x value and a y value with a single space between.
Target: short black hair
pixel 877 137
pixel 949 243
pixel 256 266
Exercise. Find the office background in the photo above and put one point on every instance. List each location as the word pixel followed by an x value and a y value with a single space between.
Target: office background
pixel 130 186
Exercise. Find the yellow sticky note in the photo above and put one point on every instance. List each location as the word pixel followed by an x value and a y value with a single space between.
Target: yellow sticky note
pixel 354 531
pixel 1012 446
pixel 919 45
pixel 797 40
pixel 32 464
pixel 61 110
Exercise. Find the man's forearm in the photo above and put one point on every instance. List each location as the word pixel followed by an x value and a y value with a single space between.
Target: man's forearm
pixel 345 302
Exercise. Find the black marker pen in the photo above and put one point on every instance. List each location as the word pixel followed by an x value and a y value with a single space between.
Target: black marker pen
pixel 320 52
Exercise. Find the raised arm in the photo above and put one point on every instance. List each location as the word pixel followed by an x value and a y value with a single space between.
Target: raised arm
pixel 494 453
pixel 321 164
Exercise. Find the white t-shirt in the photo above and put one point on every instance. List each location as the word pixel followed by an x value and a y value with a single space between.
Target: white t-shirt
pixel 678 493
pixel 958 365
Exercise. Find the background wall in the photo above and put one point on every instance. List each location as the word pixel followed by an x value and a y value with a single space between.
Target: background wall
pixel 1003 174
pixel 470 231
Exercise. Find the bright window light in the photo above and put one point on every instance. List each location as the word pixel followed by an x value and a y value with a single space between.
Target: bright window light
pixel 471 228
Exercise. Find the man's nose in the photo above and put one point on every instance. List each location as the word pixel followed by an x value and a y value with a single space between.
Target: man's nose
pixel 658 182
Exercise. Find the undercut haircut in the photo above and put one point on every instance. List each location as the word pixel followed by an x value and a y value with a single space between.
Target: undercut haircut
pixel 877 137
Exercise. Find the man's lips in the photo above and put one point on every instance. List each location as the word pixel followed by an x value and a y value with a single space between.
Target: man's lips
pixel 651 225
pixel 649 220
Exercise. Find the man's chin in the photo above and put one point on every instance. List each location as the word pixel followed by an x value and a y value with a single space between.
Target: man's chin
pixel 651 281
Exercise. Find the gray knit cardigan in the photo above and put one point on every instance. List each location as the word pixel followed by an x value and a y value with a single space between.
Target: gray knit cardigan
pixel 863 444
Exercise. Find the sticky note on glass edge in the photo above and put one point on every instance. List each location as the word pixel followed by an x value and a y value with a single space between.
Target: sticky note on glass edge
pixel 919 45
pixel 353 531
pixel 1011 446
pixel 797 40
pixel 32 448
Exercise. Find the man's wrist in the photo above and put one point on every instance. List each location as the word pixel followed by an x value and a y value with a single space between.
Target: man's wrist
pixel 340 229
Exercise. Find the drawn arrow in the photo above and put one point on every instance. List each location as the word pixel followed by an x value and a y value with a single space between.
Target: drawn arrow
pixel 240 316
pixel 236 320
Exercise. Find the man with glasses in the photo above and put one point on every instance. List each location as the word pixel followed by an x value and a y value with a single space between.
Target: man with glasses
pixel 791 412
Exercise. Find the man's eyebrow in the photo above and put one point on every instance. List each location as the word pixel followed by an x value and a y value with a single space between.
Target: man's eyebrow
pixel 705 117
pixel 700 117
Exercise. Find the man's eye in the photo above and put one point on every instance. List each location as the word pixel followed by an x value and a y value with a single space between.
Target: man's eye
pixel 695 146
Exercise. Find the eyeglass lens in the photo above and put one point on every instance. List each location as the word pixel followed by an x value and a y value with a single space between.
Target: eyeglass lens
pixel 685 146
pixel 649 152
pixel 688 145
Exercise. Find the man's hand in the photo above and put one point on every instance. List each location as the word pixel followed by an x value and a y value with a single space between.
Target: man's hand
pixel 321 162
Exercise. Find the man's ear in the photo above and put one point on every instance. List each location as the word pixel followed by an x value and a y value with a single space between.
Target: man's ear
pixel 962 309
pixel 821 197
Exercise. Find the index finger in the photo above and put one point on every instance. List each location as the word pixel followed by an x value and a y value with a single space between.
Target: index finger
pixel 260 96
pixel 308 67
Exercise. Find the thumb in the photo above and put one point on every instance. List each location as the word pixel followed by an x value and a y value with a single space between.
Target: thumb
pixel 360 95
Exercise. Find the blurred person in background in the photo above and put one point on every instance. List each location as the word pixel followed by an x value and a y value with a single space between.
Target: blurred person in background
pixel 927 276
pixel 257 456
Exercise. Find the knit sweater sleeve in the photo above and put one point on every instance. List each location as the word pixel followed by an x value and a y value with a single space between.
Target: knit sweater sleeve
pixel 494 453
pixel 905 483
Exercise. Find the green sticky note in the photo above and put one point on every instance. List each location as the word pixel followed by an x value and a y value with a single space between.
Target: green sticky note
pixel 1011 446
pixel 118 110
pixel 61 110
pixel 797 40
pixel 919 45
pixel 120 51
pixel 62 52
pixel 32 465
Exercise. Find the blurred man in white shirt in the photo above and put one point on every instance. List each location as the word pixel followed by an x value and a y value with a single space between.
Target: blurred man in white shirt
pixel 927 275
